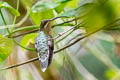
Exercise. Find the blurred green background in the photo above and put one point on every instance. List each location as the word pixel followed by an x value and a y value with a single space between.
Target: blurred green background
pixel 96 57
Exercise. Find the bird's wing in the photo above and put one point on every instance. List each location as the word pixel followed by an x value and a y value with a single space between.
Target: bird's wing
pixel 51 48
pixel 42 51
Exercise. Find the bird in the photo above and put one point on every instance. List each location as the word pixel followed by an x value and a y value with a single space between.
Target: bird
pixel 44 43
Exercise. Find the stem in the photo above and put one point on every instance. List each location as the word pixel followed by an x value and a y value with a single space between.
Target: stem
pixel 23 33
pixel 18 2
pixel 24 19
pixel 64 37
pixel 70 20
pixel 24 28
pixel 16 65
pixel 20 22
pixel 60 34
pixel 80 34
pixel 30 49
pixel 4 22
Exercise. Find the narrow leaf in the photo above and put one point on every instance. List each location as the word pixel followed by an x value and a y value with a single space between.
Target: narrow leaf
pixel 6 5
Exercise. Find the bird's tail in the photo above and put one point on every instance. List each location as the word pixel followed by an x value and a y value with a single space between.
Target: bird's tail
pixel 44 61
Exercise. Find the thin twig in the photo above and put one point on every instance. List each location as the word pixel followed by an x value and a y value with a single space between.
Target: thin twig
pixel 23 34
pixel 64 36
pixel 80 34
pixel 4 21
pixel 60 34
pixel 17 8
pixel 16 65
pixel 30 49
pixel 68 21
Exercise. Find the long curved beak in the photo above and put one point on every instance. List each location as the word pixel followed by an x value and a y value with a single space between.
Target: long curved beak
pixel 57 18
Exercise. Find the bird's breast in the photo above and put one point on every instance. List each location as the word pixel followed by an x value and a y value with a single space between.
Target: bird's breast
pixel 41 43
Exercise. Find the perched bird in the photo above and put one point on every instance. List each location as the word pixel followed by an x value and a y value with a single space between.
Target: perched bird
pixel 44 43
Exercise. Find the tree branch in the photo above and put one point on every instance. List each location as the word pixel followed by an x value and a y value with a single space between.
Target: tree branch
pixel 65 47
pixel 35 59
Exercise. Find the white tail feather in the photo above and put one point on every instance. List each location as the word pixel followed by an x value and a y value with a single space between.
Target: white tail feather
pixel 43 69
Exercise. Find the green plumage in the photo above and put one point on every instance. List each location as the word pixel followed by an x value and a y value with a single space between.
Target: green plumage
pixel 42 43
pixel 44 47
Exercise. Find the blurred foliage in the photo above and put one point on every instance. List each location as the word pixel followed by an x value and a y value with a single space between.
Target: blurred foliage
pixel 6 5
pixel 110 74
pixel 102 13
pixel 28 39
pixel 6 47
pixel 94 58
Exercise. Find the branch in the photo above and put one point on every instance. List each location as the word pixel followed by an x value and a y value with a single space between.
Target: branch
pixel 16 65
pixel 30 49
pixel 35 59
pixel 64 37
pixel 4 22
pixel 60 34
pixel 69 21
pixel 14 20
pixel 69 45
pixel 23 34
pixel 80 34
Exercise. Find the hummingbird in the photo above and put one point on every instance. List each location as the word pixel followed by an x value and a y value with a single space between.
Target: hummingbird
pixel 44 43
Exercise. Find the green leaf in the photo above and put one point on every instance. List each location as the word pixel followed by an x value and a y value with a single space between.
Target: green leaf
pixel 6 47
pixel 42 10
pixel 72 4
pixel 69 13
pixel 0 36
pixel 6 5
pixel 110 74
pixel 39 16
pixel 43 6
pixel 29 38
pixel 28 3
pixel 79 11
pixel 62 5
pixel 99 16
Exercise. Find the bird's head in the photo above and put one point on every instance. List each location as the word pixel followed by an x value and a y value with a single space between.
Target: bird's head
pixel 45 23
